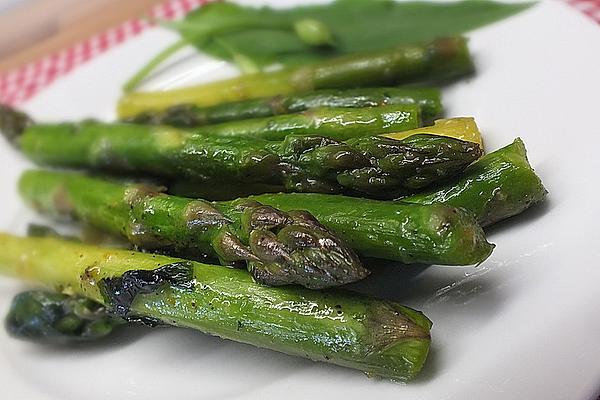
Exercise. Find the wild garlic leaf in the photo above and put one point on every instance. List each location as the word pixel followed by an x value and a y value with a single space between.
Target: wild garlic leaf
pixel 266 36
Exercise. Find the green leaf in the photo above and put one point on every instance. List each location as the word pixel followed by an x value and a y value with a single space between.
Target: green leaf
pixel 266 35
pixel 254 38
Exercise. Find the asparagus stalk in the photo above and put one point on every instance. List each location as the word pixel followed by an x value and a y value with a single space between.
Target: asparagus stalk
pixel 439 60
pixel 463 128
pixel 48 317
pixel 378 337
pixel 436 233
pixel 372 166
pixel 406 232
pixel 190 115
pixel 278 248
pixel 501 184
pixel 335 123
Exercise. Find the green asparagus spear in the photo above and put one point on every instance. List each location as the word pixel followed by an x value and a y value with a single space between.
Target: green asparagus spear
pixel 463 128
pixel 441 59
pixel 499 185
pixel 414 233
pixel 190 115
pixel 57 318
pixel 335 123
pixel 372 166
pixel 410 233
pixel 279 248
pixel 379 337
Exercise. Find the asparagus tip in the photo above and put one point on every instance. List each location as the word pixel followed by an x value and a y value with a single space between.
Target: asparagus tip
pixel 297 249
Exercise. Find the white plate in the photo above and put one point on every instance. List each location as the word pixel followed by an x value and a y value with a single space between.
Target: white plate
pixel 524 325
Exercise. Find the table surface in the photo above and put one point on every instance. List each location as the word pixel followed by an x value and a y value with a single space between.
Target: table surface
pixel 32 29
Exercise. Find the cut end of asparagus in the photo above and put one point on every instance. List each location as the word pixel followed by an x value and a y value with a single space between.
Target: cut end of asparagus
pixel 452 58
pixel 399 340
pixel 518 155
pixel 464 240
pixel 499 185
pixel 504 204
pixel 294 248
pixel 13 123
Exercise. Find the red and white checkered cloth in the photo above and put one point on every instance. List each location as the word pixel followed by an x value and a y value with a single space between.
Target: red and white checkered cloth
pixel 22 83
pixel 591 8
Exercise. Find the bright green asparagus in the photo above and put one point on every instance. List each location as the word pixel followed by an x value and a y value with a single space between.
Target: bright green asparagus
pixel 372 166
pixel 439 60
pixel 413 233
pixel 278 248
pixel 501 184
pixel 410 233
pixel 379 337
pixel 334 123
pixel 190 115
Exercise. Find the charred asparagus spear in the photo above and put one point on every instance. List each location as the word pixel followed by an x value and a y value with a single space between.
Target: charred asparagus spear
pixel 414 233
pixel 379 337
pixel 190 115
pixel 439 60
pixel 49 317
pixel 279 248
pixel 372 166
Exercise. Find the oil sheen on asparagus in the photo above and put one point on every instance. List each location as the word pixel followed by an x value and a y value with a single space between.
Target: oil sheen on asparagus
pixel 277 247
pixel 379 337
pixel 410 233
pixel 334 123
pixel 500 185
pixel 189 115
pixel 373 166
pixel 463 128
pixel 439 60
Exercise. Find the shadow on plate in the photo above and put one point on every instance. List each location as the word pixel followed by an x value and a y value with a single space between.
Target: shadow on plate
pixel 121 336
